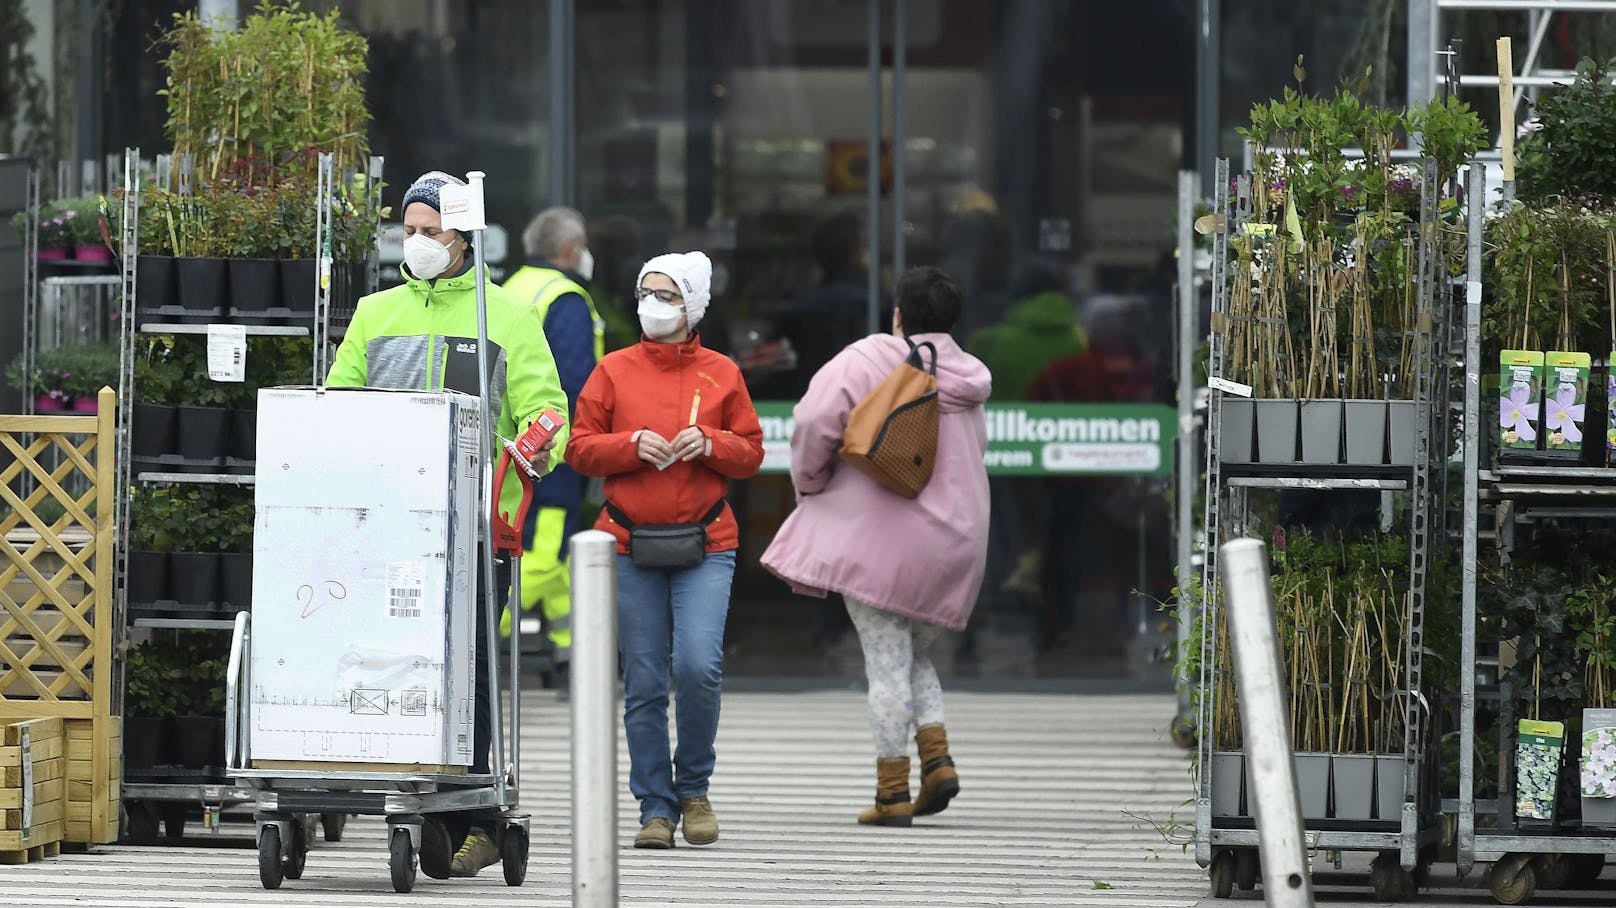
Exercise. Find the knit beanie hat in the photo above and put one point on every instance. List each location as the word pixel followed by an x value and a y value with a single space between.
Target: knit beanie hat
pixel 425 189
pixel 693 272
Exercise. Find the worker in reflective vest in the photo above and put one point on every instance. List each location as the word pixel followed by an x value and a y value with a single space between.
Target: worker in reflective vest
pixel 558 266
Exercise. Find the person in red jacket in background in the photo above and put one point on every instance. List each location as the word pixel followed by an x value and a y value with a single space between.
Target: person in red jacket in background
pixel 667 423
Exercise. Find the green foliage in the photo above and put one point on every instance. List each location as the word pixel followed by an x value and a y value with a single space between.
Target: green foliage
pixel 192 518
pixel 1449 131
pixel 1574 153
pixel 286 81
pixel 68 372
pixel 177 673
pixel 56 227
pixel 1549 278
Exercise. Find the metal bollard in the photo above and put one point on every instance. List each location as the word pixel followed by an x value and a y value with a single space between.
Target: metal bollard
pixel 594 720
pixel 1286 878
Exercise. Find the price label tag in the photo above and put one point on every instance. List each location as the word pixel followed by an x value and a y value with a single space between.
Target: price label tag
pixel 227 352
pixel 462 206
pixel 1230 387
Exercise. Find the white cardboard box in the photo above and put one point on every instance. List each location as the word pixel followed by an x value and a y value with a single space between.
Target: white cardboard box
pixel 363 588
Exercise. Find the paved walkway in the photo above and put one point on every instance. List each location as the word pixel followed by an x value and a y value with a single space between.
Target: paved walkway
pixel 1052 786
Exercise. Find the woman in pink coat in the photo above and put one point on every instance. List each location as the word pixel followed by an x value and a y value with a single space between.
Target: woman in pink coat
pixel 908 569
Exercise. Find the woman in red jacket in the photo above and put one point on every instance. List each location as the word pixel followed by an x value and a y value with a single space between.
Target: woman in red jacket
pixel 668 423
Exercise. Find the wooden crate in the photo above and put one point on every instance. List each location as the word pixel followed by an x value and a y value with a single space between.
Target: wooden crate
pixel 92 803
pixel 31 754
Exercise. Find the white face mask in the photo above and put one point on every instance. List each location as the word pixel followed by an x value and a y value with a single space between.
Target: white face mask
pixel 427 258
pixel 586 265
pixel 659 319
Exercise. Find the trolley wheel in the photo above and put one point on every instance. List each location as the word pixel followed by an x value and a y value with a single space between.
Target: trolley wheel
pixel 513 855
pixel 270 872
pixel 1247 869
pixel 174 820
pixel 143 823
pixel 1222 871
pixel 1389 880
pixel 333 824
pixel 1554 871
pixel 1512 880
pixel 298 856
pixel 401 860
pixel 1184 732
pixel 1585 869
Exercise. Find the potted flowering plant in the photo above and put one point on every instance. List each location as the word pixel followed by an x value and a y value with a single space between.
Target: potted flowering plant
pixel 1590 613
pixel 89 244
pixel 56 231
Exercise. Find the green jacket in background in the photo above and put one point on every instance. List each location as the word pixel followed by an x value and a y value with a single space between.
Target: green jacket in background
pixel 1037 331
pixel 423 334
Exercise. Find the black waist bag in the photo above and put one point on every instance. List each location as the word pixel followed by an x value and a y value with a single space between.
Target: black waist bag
pixel 666 545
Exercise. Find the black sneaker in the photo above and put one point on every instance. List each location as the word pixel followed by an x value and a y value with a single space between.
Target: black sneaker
pixel 561 680
pixel 437 852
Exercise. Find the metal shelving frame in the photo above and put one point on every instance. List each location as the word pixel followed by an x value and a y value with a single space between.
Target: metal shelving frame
pixel 1524 492
pixel 222 794
pixel 1414 834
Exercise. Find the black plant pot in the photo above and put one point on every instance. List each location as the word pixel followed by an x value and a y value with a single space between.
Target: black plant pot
pixel 204 433
pixel 154 283
pixel 244 434
pixel 193 577
pixel 152 430
pixel 297 286
pixel 197 741
pixel 204 286
pixel 255 286
pixel 143 739
pixel 235 581
pixel 148 577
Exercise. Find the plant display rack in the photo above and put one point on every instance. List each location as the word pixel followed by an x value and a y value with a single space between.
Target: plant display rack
pixel 146 801
pixel 1404 845
pixel 1516 495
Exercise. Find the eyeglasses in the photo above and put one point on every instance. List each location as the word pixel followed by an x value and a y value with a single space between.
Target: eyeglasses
pixel 666 296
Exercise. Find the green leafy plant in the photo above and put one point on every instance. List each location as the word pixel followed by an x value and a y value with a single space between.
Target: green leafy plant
pixel 178 673
pixel 56 228
pixel 1573 153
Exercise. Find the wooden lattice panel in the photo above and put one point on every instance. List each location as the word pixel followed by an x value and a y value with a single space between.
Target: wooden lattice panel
pixel 56 576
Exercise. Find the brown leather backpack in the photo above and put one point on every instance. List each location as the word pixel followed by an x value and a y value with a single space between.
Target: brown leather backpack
pixel 891 435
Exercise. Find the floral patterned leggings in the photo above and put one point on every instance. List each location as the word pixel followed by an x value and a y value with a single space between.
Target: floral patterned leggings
pixel 904 691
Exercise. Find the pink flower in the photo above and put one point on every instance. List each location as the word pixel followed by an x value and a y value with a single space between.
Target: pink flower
pixel 1564 414
pixel 1517 411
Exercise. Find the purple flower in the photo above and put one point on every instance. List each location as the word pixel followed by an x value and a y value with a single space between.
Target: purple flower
pixel 1277 185
pixel 1565 414
pixel 1349 191
pixel 1403 186
pixel 1517 411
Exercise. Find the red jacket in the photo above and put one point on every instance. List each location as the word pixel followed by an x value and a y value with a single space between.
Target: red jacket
pixel 651 386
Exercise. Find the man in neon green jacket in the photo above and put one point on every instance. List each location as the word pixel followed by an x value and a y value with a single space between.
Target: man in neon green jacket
pixel 423 334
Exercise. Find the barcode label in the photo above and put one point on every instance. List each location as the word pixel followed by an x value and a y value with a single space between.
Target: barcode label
pixel 406 583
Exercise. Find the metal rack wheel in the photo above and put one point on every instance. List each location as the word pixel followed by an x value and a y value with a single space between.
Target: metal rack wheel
pixel 1247 869
pixel 174 819
pixel 298 855
pixel 1554 871
pixel 401 859
pixel 270 872
pixel 1389 880
pixel 1222 871
pixel 1512 880
pixel 333 824
pixel 513 855
pixel 144 823
pixel 1585 869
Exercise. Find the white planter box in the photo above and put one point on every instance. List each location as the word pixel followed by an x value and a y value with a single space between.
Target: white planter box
pixel 363 584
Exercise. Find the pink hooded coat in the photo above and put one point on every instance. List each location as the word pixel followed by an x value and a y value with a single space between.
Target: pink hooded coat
pixel 921 558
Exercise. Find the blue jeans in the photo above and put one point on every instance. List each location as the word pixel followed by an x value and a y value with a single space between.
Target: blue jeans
pixel 671 622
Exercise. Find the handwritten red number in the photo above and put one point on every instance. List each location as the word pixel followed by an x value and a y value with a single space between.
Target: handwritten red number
pixel 305 594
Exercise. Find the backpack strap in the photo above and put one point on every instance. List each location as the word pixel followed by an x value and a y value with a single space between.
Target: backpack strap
pixel 918 361
pixel 621 519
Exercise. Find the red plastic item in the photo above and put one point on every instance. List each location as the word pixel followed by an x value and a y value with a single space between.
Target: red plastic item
pixel 523 451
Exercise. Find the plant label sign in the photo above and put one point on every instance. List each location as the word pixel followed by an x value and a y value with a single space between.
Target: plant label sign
pixel 1537 768
pixel 1598 778
pixel 1520 404
pixel 1565 398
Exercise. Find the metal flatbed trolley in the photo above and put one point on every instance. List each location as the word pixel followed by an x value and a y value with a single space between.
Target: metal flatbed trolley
pixel 350 689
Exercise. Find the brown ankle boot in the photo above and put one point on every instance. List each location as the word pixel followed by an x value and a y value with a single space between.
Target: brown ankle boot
pixel 939 783
pixel 892 807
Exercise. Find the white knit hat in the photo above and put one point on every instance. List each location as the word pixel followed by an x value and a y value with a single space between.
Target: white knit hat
pixel 692 271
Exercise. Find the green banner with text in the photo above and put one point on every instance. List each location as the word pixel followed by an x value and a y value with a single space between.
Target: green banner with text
pixel 1037 439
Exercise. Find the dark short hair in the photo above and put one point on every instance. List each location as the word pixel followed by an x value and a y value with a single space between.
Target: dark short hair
pixel 929 300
